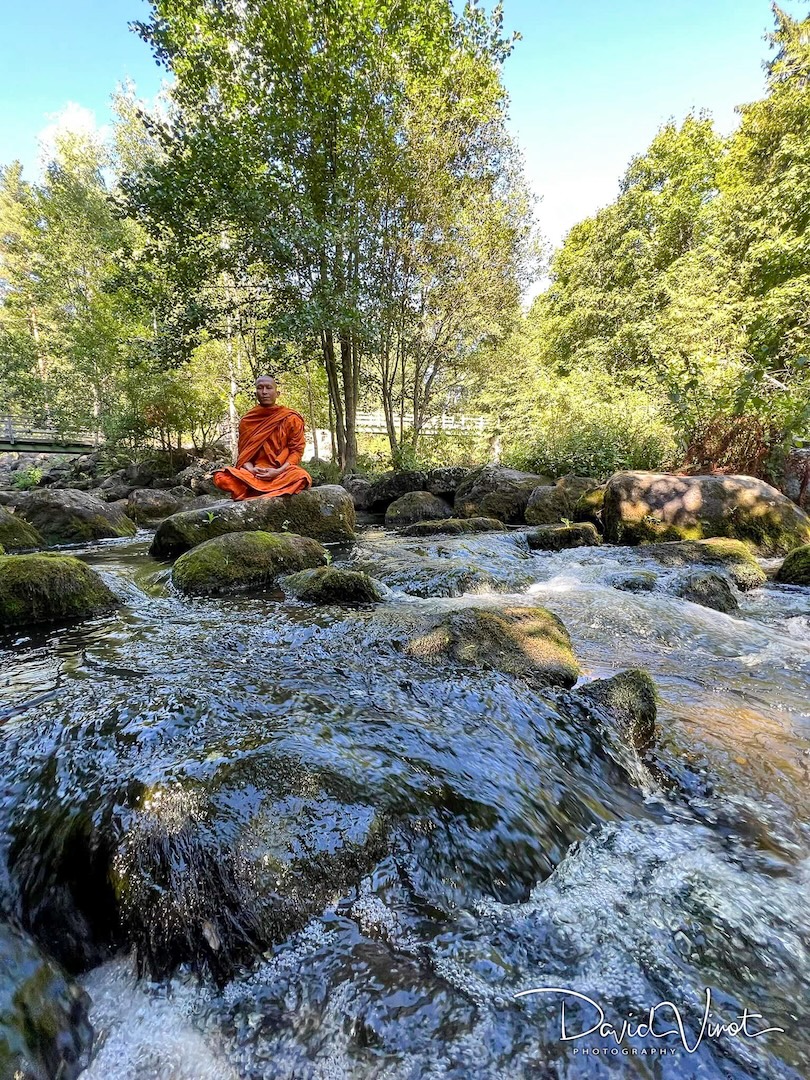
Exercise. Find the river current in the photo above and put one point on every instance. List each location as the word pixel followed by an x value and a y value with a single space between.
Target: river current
pixel 528 850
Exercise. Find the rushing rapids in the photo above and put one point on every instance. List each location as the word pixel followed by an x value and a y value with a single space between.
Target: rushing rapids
pixel 272 842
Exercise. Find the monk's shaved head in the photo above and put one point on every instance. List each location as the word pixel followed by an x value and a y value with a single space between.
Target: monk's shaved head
pixel 267 378
pixel 266 390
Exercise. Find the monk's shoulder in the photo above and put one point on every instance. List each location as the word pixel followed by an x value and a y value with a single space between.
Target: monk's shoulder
pixel 294 417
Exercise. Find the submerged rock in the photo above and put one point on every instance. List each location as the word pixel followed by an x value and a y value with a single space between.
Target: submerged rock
pixel 731 556
pixel 528 642
pixel 44 1029
pixel 633 581
pixel 453 526
pixel 333 585
pixel 558 537
pixel 416 506
pixel 16 534
pixel 241 561
pixel 795 570
pixel 73 517
pixel 630 700
pixel 49 589
pixel 641 507
pixel 708 589
pixel 495 491
pixel 325 513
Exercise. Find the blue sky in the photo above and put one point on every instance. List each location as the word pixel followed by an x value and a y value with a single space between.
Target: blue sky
pixel 590 83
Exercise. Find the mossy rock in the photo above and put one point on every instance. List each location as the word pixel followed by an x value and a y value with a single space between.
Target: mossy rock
pixel 498 492
pixel 44 1027
pixel 529 642
pixel 454 526
pixel 795 570
pixel 16 534
pixel 416 506
pixel 589 507
pixel 73 517
pixel 633 581
pixel 732 556
pixel 324 513
pixel 559 537
pixel 333 585
pixel 49 589
pixel 241 561
pixel 629 699
pixel 648 507
pixel 709 590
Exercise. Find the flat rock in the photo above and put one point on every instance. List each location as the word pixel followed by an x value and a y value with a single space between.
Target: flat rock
pixel 453 526
pixel 558 537
pixel 733 557
pixel 237 562
pixel 325 513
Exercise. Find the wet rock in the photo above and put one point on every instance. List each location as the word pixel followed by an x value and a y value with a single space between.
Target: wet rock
pixel 446 481
pixel 708 589
pixel 325 513
pixel 393 485
pixel 641 507
pixel 495 491
pixel 241 561
pixel 548 505
pixel 528 642
pixel 16 534
pixel 359 487
pixel 454 526
pixel 634 581
pixel 149 505
pixel 73 517
pixel 49 589
pixel 333 585
pixel 732 556
pixel 795 570
pixel 630 700
pixel 416 506
pixel 44 1029
pixel 558 537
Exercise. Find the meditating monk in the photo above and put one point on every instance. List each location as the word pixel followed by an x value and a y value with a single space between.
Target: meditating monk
pixel 271 443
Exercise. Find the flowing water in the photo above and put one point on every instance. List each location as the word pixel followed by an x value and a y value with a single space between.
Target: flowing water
pixel 501 840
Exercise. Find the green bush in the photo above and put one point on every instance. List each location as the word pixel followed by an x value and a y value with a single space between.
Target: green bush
pixel 26 479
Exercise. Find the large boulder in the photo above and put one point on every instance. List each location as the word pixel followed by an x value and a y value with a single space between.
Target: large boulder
pixel 393 485
pixel 148 505
pixel 446 481
pixel 548 505
pixel 325 513
pixel 795 570
pixel 333 585
pixel 495 491
pixel 360 489
pixel 529 642
pixel 16 534
pixel 559 537
pixel 590 506
pixel 44 1027
pixel 50 588
pixel 641 507
pixel 237 562
pixel 115 487
pixel 73 517
pixel 454 526
pixel 416 506
pixel 732 557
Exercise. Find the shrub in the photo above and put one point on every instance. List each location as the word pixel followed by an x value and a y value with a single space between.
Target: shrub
pixel 26 479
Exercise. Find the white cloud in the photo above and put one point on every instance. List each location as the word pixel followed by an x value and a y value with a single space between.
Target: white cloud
pixel 72 118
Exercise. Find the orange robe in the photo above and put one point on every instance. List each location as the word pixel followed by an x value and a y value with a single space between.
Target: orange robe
pixel 269 436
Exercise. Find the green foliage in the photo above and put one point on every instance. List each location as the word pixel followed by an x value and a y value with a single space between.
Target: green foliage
pixel 26 479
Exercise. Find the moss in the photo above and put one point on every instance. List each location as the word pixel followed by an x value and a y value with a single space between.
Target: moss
pixel 733 556
pixel 558 537
pixel 331 585
pixel 50 588
pixel 795 570
pixel 240 561
pixel 589 506
pixel 454 526
pixel 16 534
pixel 414 506
pixel 630 700
pixel 528 642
